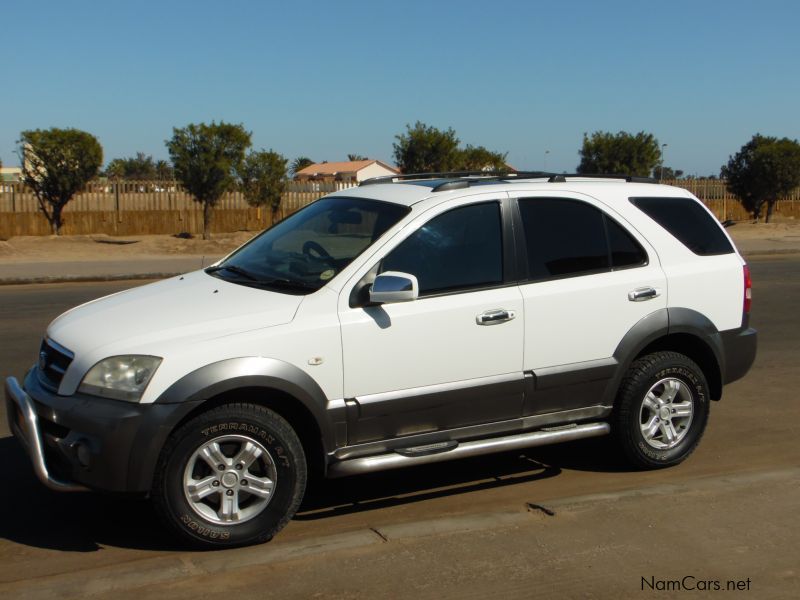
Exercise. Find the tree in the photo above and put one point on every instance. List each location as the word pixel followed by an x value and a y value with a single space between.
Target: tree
pixel 621 153
pixel 478 158
pixel 205 159
pixel 424 149
pixel 763 170
pixel 356 157
pixel 57 164
pixel 660 172
pixel 263 177
pixel 164 171
pixel 300 163
pixel 140 166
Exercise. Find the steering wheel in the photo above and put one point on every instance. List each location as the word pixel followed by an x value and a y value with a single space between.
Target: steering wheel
pixel 314 250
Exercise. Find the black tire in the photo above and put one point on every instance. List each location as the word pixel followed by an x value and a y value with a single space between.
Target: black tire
pixel 242 422
pixel 631 414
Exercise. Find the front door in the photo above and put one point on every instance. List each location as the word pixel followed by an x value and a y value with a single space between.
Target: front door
pixel 451 358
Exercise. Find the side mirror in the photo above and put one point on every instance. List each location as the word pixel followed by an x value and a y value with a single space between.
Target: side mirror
pixel 393 286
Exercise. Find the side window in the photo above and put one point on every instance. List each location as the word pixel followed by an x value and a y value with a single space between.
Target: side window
pixel 568 237
pixel 686 220
pixel 625 251
pixel 563 237
pixel 459 249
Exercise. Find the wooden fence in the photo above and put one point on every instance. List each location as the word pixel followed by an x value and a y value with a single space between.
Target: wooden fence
pixel 714 193
pixel 148 207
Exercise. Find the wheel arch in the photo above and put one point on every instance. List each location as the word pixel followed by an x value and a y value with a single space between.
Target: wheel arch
pixel 281 402
pixel 680 330
pixel 271 383
pixel 697 350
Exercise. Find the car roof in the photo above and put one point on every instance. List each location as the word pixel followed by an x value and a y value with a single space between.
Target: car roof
pixel 410 193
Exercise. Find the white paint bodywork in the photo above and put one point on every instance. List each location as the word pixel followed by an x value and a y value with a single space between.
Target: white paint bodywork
pixel 197 319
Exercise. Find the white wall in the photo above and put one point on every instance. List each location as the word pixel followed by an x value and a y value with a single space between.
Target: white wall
pixel 373 170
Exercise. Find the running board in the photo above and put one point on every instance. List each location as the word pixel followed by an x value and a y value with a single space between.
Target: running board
pixel 395 460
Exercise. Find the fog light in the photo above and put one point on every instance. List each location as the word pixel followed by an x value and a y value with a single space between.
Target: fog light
pixel 82 453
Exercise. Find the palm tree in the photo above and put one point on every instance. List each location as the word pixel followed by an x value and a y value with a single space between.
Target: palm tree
pixel 300 163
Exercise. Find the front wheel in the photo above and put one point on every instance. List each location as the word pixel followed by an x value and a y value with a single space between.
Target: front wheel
pixel 232 476
pixel 661 410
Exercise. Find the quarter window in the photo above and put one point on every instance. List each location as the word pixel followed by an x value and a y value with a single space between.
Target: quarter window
pixel 459 249
pixel 625 251
pixel 689 222
pixel 568 237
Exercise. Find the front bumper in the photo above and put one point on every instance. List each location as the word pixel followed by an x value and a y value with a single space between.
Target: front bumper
pixel 24 424
pixel 82 442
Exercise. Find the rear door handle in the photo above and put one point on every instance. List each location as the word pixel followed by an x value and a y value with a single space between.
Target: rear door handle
pixel 495 316
pixel 643 293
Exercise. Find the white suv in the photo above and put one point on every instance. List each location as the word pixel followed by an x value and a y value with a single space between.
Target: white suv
pixel 411 320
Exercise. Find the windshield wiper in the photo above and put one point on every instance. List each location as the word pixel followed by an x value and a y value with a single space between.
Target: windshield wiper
pixel 291 283
pixel 273 281
pixel 233 269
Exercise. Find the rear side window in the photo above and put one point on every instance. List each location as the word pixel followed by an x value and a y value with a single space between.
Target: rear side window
pixel 568 237
pixel 457 250
pixel 687 221
pixel 625 251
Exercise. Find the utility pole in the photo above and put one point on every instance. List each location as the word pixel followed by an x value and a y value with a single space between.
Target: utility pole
pixel 661 178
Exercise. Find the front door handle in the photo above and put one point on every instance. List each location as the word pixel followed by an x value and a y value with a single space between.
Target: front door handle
pixel 495 316
pixel 643 293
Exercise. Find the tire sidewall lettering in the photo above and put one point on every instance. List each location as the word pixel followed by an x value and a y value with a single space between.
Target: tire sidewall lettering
pixel 203 529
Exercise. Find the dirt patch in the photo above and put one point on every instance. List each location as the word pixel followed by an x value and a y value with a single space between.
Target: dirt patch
pixel 6 249
pixel 762 231
pixel 104 247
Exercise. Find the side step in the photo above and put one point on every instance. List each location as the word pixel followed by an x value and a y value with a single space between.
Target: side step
pixel 396 460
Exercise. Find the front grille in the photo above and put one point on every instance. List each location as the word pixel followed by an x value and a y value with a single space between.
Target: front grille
pixel 53 363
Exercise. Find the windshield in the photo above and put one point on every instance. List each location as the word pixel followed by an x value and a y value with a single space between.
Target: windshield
pixel 306 250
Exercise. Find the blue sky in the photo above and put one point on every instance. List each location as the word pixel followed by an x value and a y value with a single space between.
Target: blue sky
pixel 325 79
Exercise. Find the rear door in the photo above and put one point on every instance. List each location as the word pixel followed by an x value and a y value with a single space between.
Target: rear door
pixel 590 279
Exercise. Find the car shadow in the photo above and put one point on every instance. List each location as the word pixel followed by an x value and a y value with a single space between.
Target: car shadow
pixel 391 488
pixel 86 522
pixel 73 522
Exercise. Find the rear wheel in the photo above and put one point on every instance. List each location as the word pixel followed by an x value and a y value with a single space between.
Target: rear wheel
pixel 232 476
pixel 661 410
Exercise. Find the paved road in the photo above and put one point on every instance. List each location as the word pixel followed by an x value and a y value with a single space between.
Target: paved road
pixel 753 431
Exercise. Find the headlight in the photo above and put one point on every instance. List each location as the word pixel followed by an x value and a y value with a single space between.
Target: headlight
pixel 120 377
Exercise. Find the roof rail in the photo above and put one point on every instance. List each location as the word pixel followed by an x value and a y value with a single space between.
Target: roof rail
pixel 463 179
pixel 478 175
pixel 562 177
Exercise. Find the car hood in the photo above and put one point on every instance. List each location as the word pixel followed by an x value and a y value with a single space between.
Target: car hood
pixel 191 307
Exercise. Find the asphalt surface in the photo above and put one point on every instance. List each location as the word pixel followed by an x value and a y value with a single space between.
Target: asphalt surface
pixel 50 539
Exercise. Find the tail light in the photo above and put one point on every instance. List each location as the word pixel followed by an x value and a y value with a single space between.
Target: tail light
pixel 748 290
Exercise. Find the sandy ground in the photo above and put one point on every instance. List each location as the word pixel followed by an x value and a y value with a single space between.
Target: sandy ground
pixel 778 231
pixel 105 247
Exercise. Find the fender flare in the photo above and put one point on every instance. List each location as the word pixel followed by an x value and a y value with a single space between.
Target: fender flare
pixel 234 373
pixel 658 324
pixel 190 391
